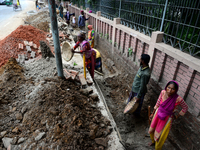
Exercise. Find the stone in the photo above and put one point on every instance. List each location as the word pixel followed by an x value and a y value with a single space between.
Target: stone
pixel 15 130
pixel 35 46
pixel 3 133
pixel 28 48
pixel 39 51
pixel 30 43
pixel 6 141
pixel 47 59
pixel 18 116
pixel 101 141
pixel 32 54
pixel 25 119
pixel 94 96
pixel 89 82
pixel 21 140
pixel 89 89
pixel 101 148
pixel 92 134
pixel 53 111
pixel 25 43
pixel 14 141
pixel 84 92
pixel 109 129
pixel 24 109
pixel 40 136
pixel 82 80
pixel 14 108
pixel 21 46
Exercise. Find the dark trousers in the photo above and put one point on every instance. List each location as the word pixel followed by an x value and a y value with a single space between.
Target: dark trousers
pixel 132 94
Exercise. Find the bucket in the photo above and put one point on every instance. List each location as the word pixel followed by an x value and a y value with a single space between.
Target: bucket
pixel 131 106
pixel 66 51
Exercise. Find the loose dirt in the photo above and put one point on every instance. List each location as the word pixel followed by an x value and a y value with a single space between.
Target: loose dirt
pixel 50 112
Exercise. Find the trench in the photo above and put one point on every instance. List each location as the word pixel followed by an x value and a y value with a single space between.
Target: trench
pixel 133 131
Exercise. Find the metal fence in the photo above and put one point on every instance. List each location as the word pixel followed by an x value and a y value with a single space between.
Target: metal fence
pixel 178 19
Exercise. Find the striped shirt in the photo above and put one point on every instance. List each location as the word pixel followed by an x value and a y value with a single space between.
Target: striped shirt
pixel 179 101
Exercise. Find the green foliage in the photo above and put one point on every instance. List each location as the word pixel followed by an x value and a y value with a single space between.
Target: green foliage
pixel 101 34
pixel 130 51
pixel 75 64
pixel 107 36
pixel 110 41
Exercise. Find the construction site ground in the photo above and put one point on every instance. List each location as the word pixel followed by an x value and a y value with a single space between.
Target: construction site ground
pixel 39 110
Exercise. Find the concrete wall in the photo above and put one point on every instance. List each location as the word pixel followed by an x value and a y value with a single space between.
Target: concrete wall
pixel 167 63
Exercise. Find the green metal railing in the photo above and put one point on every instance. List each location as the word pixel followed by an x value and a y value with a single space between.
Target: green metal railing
pixel 178 19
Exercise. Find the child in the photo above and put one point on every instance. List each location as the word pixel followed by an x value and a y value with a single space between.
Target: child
pixel 73 21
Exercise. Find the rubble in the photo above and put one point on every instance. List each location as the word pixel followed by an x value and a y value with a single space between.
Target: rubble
pixel 54 110
pixel 9 46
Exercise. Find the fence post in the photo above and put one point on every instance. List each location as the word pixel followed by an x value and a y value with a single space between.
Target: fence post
pixel 116 21
pixel 120 5
pixel 163 18
pixel 98 13
pixel 156 37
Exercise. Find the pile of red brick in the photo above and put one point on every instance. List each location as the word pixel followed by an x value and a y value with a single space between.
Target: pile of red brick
pixel 9 46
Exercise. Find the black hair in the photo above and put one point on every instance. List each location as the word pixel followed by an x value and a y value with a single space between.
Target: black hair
pixel 145 58
pixel 175 85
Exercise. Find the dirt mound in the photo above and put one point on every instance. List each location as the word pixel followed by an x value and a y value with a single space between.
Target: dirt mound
pixel 43 26
pixel 49 113
pixel 11 75
pixel 9 47
pixel 41 20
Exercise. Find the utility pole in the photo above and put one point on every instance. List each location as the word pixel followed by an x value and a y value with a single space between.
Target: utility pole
pixel 55 33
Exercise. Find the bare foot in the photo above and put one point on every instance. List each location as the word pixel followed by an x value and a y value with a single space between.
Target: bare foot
pixel 151 144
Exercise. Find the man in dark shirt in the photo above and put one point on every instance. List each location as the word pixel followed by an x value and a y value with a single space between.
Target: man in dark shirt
pixel 139 87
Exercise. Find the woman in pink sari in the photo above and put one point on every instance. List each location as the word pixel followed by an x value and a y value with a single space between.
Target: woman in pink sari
pixel 163 114
pixel 90 54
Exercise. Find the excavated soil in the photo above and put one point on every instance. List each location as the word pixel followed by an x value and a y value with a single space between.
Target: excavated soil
pixel 49 113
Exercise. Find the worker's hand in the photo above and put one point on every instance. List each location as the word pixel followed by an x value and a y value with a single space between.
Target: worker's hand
pixel 137 100
pixel 72 50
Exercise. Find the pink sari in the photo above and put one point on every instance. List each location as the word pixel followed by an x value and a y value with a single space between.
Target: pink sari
pixel 159 124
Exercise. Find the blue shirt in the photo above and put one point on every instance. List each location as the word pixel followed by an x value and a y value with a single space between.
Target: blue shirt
pixel 81 21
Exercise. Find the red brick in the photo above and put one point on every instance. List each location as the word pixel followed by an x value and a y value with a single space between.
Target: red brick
pixel 73 73
pixel 82 80
pixel 66 74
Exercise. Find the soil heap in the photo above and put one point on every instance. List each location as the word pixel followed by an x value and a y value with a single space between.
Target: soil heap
pixel 9 46
pixel 48 113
